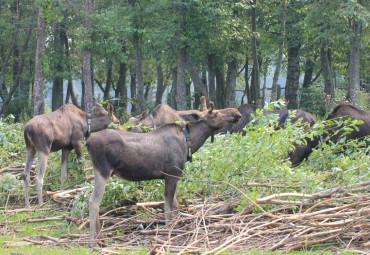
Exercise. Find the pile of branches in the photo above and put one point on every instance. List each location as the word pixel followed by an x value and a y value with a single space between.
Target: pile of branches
pixel 338 218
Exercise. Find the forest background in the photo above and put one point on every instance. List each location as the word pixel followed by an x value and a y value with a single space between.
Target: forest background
pixel 131 52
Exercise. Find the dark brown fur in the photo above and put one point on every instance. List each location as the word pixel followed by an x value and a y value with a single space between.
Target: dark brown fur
pixel 63 129
pixel 160 154
pixel 247 109
pixel 342 111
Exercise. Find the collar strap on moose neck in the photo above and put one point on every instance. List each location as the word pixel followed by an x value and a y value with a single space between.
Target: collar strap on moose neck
pixel 153 121
pixel 88 118
pixel 188 142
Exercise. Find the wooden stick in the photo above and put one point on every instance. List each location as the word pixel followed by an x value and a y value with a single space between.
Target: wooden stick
pixel 261 200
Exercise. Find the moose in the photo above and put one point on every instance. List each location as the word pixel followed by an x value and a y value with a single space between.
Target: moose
pixel 159 154
pixel 63 129
pixel 162 114
pixel 342 111
pixel 248 109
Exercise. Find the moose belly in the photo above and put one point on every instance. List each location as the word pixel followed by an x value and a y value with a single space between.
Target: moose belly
pixel 138 174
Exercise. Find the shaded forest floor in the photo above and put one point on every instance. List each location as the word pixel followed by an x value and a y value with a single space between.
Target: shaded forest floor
pixel 333 221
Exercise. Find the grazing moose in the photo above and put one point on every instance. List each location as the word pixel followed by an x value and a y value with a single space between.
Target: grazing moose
pixel 342 111
pixel 247 109
pixel 162 114
pixel 63 129
pixel 160 154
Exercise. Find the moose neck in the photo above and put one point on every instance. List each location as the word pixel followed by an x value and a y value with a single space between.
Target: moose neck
pixel 199 132
pixel 99 122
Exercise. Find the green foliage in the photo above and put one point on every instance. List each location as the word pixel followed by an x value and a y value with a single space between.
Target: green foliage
pixel 224 167
pixel 11 188
pixel 12 147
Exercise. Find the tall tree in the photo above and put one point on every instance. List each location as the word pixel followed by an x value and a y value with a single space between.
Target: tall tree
pixel 232 72
pixel 279 59
pixel 57 91
pixel 20 67
pixel 256 70
pixel 38 85
pixel 11 48
pixel 354 59
pixel 87 60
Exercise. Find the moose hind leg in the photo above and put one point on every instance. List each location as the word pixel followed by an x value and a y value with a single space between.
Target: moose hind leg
pixel 65 153
pixel 26 174
pixel 43 159
pixel 94 202
pixel 169 198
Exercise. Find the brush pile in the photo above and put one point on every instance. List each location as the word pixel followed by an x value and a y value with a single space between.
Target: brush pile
pixel 338 218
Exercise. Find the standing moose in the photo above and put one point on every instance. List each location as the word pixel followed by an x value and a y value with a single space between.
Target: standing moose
pixel 63 129
pixel 160 154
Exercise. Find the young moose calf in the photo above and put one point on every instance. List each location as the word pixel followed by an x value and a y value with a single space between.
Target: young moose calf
pixel 160 154
pixel 63 129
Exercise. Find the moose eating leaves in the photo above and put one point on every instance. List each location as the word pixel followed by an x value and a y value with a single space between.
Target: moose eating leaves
pixel 160 154
pixel 340 112
pixel 63 129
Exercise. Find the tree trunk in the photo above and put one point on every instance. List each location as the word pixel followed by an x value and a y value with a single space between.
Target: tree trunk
pixel 139 74
pixel 70 88
pixel 280 54
pixel 87 61
pixel 232 72
pixel 160 85
pixel 38 86
pixel 292 81
pixel 11 48
pixel 19 68
pixel 326 72
pixel 134 107
pixel 173 92
pixel 211 77
pixel 108 83
pixel 247 91
pixel 57 91
pixel 181 85
pixel 256 71
pixel 308 73
pixel 199 86
pixel 354 61
pixel 121 91
pixel 220 87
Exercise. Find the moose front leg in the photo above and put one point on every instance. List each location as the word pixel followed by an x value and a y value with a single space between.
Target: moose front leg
pixel 65 153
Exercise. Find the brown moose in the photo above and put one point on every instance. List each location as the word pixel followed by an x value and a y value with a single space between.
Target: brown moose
pixel 63 129
pixel 248 109
pixel 160 154
pixel 342 111
pixel 162 114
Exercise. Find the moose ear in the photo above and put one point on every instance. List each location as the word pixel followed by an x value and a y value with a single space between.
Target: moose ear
pixel 203 101
pixel 110 109
pixel 99 108
pixel 211 107
pixel 192 117
pixel 143 115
